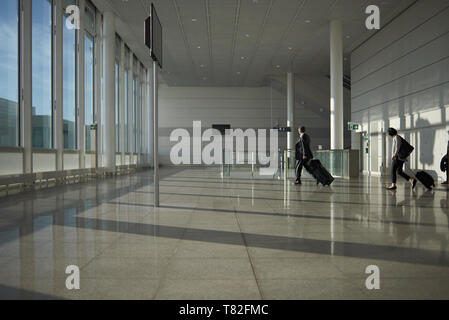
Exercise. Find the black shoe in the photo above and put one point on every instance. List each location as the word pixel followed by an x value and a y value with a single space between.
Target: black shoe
pixel 298 182
pixel 392 188
pixel 414 183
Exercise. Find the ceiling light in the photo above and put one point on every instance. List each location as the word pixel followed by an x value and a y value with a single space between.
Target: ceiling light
pixel 238 72
pixel 290 48
pixel 199 47
pixel 347 37
pixel 202 66
pixel 243 58
pixel 247 35
pixel 278 66
pixel 307 21
pixel 194 20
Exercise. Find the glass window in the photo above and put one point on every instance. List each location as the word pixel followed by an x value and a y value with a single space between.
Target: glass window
pixel 126 110
pixel 140 115
pixel 42 73
pixel 9 70
pixel 117 107
pixel 89 19
pixel 69 84
pixel 89 88
pixel 135 112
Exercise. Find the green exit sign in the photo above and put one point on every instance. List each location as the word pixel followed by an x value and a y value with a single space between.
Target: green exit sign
pixel 353 127
pixel 93 127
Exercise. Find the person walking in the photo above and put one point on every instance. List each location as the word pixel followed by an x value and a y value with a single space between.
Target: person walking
pixel 303 153
pixel 444 166
pixel 401 151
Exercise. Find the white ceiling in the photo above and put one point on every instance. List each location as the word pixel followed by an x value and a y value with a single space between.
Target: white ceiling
pixel 238 42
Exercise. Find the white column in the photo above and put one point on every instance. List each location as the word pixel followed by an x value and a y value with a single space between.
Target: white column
pixel 98 90
pixel 81 97
pixel 58 137
pixel 291 110
pixel 122 101
pixel 155 135
pixel 26 76
pixel 109 89
pixel 336 74
pixel 150 117
pixel 145 124
pixel 131 108
pixel 139 115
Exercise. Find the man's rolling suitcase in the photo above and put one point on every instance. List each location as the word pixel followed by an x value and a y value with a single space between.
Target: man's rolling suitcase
pixel 320 173
pixel 426 179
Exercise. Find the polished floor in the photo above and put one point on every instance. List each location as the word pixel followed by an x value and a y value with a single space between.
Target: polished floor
pixel 230 238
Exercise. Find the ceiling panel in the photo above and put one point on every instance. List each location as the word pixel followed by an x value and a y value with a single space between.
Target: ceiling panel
pixel 239 42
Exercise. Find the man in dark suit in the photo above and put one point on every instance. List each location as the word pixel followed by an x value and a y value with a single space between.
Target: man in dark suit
pixel 303 153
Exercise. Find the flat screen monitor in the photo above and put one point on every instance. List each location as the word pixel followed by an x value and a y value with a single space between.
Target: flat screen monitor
pixel 222 128
pixel 153 36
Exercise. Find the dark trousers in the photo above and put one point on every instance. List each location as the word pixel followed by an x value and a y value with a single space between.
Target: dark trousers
pixel 300 164
pixel 397 168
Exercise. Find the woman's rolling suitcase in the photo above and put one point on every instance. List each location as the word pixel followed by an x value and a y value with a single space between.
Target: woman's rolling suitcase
pixel 426 179
pixel 316 169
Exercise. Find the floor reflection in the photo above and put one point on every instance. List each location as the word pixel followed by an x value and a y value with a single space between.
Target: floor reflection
pixel 252 233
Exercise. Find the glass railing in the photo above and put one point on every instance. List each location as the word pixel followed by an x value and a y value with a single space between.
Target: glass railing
pixel 339 163
pixel 244 165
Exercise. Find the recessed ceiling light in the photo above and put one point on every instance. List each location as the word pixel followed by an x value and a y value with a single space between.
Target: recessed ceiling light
pixel 290 48
pixel 194 20
pixel 199 47
pixel 347 37
pixel 243 58
pixel 247 35
pixel 278 66
pixel 201 65
pixel 307 21
pixel 238 72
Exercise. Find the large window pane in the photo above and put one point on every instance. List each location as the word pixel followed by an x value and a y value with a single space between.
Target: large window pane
pixel 9 70
pixel 69 85
pixel 42 73
pixel 140 116
pixel 89 19
pixel 126 120
pixel 135 112
pixel 89 88
pixel 117 108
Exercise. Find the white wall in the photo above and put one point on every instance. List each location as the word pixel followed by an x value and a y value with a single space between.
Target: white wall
pixel 400 78
pixel 242 108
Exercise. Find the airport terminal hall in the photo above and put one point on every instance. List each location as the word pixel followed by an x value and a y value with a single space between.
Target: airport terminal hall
pixel 224 150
